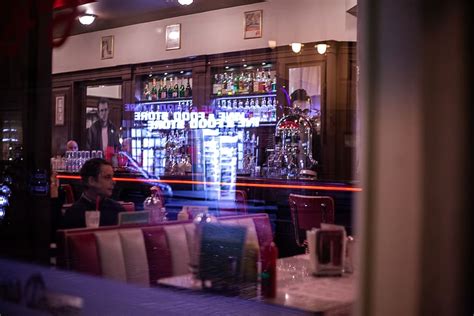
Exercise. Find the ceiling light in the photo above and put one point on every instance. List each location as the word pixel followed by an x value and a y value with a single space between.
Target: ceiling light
pixel 321 48
pixel 185 2
pixel 296 47
pixel 245 65
pixel 87 18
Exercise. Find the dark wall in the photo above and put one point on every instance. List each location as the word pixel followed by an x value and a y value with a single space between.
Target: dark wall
pixel 25 86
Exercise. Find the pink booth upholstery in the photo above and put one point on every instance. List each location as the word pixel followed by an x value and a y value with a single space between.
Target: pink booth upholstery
pixel 142 254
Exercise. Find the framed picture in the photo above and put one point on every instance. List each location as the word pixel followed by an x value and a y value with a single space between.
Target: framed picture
pixel 253 24
pixel 173 36
pixel 59 111
pixel 107 47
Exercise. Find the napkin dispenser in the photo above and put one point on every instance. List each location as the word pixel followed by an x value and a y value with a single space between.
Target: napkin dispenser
pixel 327 250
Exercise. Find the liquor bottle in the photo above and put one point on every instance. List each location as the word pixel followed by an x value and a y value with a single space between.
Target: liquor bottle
pixel 189 90
pixel 164 92
pixel 242 83
pixel 146 92
pixel 268 83
pixel 224 84
pixel 250 82
pixel 154 90
pixel 215 85
pixel 262 83
pixel 170 89
pixel 256 83
pixel 182 89
pixel 175 88
pixel 158 90
pixel 274 83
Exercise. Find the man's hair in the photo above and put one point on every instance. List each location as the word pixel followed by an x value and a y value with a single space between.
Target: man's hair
pixel 91 168
pixel 300 95
pixel 103 101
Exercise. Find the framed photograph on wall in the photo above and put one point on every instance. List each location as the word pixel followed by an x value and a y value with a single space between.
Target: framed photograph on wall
pixel 253 24
pixel 59 110
pixel 107 47
pixel 173 36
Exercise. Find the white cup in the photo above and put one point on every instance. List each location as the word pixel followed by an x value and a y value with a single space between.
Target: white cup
pixel 92 219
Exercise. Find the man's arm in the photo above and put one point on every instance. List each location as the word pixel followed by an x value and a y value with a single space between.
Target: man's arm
pixel 89 139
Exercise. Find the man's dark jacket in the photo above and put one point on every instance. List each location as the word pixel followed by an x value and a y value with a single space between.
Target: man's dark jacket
pixel 94 136
pixel 75 217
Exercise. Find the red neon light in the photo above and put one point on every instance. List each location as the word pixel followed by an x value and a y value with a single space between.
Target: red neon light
pixel 239 184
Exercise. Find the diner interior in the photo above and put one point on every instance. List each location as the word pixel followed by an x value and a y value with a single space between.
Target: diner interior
pixel 266 157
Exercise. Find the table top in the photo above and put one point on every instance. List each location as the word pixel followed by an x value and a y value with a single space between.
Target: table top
pixel 297 288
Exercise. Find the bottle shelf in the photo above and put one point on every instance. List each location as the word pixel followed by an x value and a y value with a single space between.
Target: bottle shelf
pixel 163 101
pixel 244 96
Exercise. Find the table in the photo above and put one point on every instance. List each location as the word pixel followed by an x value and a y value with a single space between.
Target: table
pixel 297 288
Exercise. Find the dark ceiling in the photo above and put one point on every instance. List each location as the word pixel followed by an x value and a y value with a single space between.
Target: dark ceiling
pixel 117 13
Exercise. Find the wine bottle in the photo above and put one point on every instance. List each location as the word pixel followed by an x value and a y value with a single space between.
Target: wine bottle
pixel 215 85
pixel 154 90
pixel 164 91
pixel 189 90
pixel 175 88
pixel 170 89
pixel 182 89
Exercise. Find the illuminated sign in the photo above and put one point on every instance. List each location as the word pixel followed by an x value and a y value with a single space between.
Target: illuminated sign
pixel 195 120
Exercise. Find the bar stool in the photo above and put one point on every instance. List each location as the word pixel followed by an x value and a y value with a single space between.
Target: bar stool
pixel 309 212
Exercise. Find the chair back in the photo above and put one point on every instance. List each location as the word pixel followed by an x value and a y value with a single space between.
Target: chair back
pixel 309 212
pixel 69 193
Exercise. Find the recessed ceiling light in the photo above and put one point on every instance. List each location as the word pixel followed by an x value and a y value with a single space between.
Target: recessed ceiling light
pixel 245 65
pixel 181 72
pixel 263 64
pixel 226 67
pixel 87 18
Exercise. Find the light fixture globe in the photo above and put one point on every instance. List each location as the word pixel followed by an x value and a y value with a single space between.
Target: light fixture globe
pixel 296 47
pixel 321 48
pixel 87 19
pixel 185 2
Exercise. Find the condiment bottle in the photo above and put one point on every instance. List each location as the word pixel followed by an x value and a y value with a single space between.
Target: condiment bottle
pixel 268 286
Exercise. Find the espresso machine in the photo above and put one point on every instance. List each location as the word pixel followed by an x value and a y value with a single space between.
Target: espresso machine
pixel 292 157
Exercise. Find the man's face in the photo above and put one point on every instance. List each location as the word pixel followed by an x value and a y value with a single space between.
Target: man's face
pixel 104 184
pixel 103 113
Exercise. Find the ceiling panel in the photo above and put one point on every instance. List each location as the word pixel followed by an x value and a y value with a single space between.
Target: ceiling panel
pixel 117 13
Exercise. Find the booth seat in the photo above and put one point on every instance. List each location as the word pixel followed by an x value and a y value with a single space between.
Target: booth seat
pixel 142 254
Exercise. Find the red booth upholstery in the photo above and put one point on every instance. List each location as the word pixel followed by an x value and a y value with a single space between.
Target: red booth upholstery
pixel 142 254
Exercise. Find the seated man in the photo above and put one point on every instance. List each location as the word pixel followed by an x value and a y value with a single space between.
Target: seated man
pixel 71 145
pixel 96 175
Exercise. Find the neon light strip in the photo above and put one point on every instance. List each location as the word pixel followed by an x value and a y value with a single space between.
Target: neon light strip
pixel 239 184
